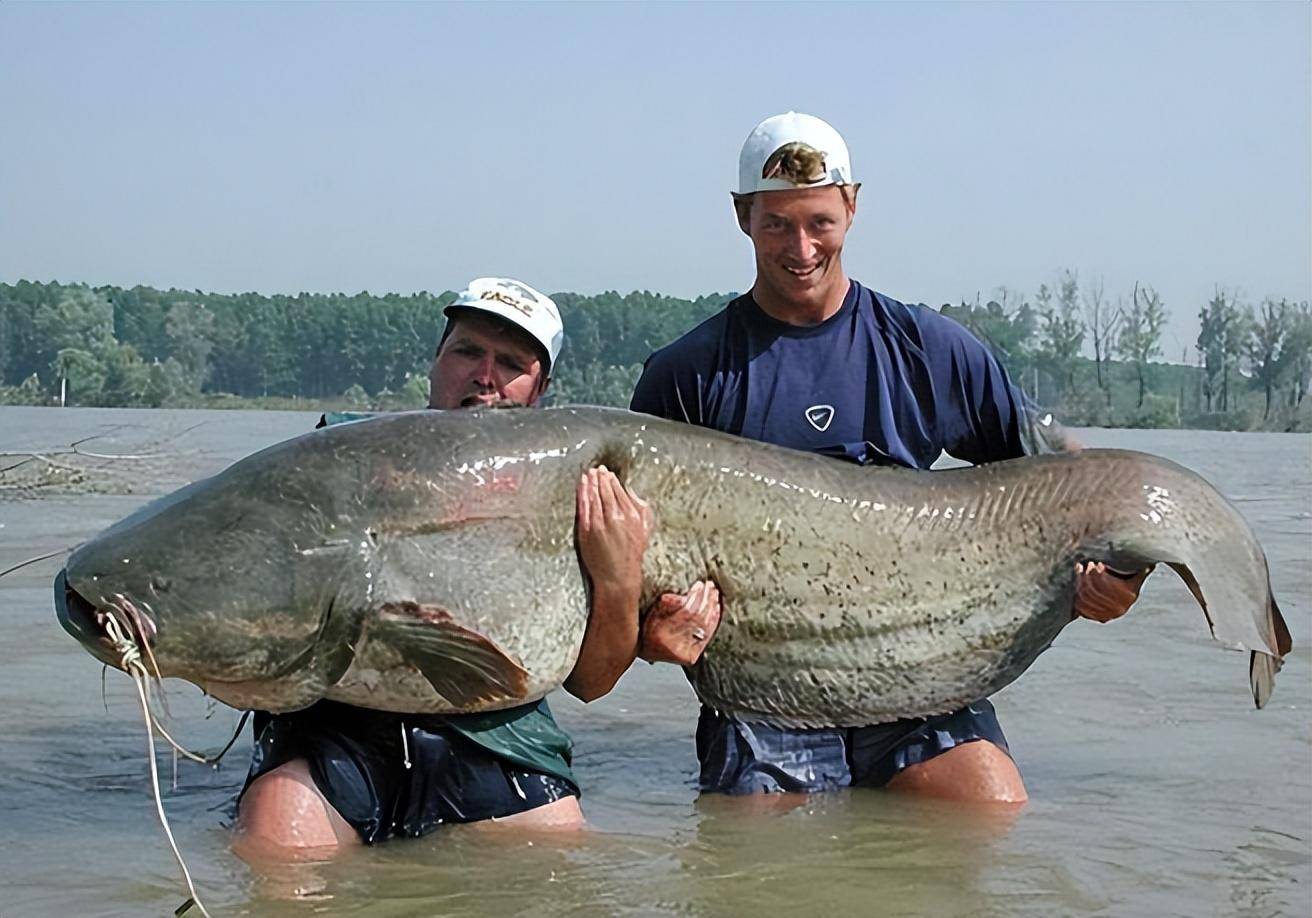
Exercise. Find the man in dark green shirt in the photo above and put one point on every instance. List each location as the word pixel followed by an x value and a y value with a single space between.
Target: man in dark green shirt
pixel 334 774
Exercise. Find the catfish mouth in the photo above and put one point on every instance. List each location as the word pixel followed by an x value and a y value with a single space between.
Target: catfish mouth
pixel 85 621
pixel 80 618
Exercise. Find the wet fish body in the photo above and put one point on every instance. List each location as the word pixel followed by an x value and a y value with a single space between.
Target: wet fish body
pixel 425 562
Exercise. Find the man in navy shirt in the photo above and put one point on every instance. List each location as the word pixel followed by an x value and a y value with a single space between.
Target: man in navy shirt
pixel 811 360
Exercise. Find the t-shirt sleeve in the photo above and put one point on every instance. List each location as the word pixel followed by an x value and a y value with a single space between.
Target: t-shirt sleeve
pixel 649 391
pixel 668 388
pixel 676 379
pixel 983 416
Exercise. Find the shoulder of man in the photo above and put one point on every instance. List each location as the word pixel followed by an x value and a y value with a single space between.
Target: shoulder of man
pixel 939 335
pixel 692 353
pixel 695 346
pixel 951 347
pixel 916 323
pixel 671 378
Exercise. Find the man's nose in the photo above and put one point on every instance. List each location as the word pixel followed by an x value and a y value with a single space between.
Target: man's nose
pixel 485 373
pixel 800 245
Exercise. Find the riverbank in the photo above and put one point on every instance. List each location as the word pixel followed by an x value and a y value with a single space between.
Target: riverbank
pixel 1244 420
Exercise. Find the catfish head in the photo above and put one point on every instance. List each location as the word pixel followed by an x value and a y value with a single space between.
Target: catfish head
pixel 247 583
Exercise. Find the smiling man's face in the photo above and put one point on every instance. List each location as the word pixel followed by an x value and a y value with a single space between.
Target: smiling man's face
pixel 485 361
pixel 798 236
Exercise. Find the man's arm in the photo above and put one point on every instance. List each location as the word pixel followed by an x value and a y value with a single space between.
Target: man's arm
pixel 613 527
pixel 982 415
pixel 991 420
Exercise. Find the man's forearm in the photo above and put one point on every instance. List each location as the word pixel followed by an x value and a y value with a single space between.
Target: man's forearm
pixel 610 644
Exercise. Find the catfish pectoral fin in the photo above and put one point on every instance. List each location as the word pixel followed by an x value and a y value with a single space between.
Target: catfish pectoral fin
pixel 463 666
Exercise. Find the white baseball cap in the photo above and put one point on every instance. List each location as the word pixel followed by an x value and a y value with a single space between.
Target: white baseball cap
pixel 517 303
pixel 791 127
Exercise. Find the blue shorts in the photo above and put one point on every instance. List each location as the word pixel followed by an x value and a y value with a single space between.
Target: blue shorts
pixel 398 775
pixel 751 758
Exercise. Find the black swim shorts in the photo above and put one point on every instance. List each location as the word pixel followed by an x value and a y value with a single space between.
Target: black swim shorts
pixel 398 775
pixel 747 758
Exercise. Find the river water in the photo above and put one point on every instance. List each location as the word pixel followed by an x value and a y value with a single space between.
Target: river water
pixel 1155 788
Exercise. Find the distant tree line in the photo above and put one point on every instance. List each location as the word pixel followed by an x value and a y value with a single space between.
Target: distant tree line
pixel 1250 366
pixel 163 348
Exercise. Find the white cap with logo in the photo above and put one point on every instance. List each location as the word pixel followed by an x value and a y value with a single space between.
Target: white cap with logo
pixel 755 161
pixel 520 305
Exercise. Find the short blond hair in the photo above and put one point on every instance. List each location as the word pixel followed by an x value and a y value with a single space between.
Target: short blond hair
pixel 797 163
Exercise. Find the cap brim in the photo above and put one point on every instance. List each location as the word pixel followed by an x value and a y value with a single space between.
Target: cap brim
pixel 454 309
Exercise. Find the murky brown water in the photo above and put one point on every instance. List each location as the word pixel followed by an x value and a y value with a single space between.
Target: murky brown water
pixel 1155 788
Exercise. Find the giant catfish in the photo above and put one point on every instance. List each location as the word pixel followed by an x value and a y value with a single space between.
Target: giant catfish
pixel 426 562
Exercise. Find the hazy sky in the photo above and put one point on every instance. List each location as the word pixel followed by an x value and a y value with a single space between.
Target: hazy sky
pixel 588 147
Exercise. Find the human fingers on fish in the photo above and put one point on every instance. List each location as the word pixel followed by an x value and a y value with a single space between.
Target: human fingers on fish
pixel 703 607
pixel 600 510
pixel 644 509
pixel 710 609
pixel 692 598
pixel 610 503
pixel 596 497
pixel 672 633
pixel 623 506
pixel 583 497
pixel 1103 595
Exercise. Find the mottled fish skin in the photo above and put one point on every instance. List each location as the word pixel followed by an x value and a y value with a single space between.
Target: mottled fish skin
pixel 425 562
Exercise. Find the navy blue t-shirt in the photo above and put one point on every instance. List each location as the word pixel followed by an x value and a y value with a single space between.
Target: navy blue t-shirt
pixel 877 382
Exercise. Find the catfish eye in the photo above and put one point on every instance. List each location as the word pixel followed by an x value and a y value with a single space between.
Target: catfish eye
pixel 160 584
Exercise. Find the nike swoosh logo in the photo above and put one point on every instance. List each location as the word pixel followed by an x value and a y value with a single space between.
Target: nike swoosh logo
pixel 820 416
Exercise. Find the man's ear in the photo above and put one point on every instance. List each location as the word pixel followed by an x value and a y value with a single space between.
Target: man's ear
pixel 543 382
pixel 849 197
pixel 742 208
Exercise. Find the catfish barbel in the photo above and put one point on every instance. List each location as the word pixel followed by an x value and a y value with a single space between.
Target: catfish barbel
pixel 426 562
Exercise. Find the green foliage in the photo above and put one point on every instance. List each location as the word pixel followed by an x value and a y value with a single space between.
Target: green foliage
pixel 356 397
pixel 1140 338
pixel 168 385
pixel 1298 354
pixel 127 378
pixel 1007 324
pixel 174 348
pixel 78 319
pixel 415 391
pixel 189 329
pixel 608 337
pixel 84 373
pixel 28 392
pixel 414 394
pixel 1062 332
pixel 1155 411
pixel 1265 348
pixel 1224 327
pixel 596 384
